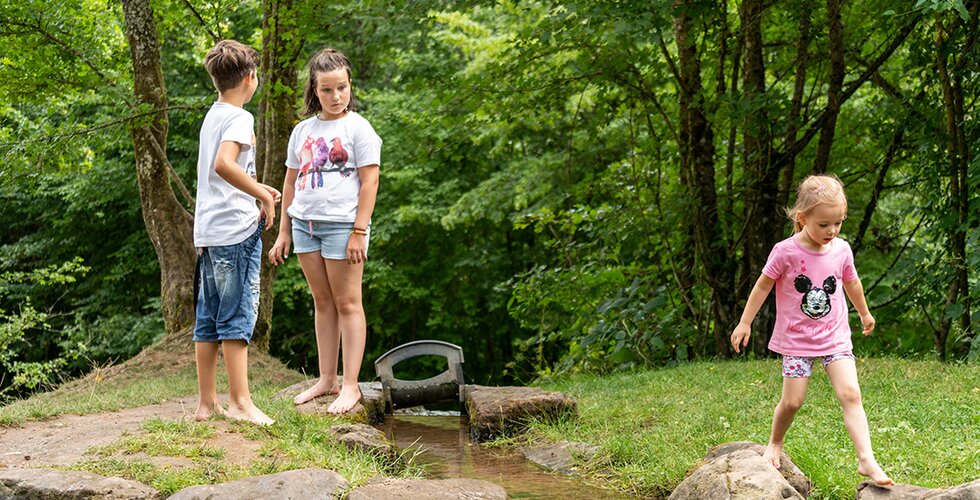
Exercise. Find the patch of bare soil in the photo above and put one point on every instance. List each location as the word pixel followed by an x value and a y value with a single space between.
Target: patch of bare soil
pixel 65 440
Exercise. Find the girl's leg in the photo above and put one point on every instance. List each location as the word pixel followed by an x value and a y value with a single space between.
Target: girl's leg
pixel 206 356
pixel 240 406
pixel 325 325
pixel 794 392
pixel 345 284
pixel 843 377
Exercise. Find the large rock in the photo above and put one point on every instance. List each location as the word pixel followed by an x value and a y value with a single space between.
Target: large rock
pixel 304 484
pixel 560 457
pixel 738 471
pixel 870 491
pixel 497 411
pixel 363 437
pixel 431 489
pixel 64 485
pixel 371 408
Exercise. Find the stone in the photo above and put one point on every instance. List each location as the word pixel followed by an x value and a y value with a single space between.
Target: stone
pixel 793 475
pixel 867 490
pixel 305 484
pixel 501 411
pixel 560 457
pixel 63 485
pixel 430 489
pixel 363 437
pixel 738 471
pixel 370 409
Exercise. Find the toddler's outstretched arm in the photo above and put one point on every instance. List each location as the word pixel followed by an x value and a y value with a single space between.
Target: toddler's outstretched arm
pixel 742 332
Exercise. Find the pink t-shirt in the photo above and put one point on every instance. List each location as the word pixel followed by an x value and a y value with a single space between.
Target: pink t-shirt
pixel 811 312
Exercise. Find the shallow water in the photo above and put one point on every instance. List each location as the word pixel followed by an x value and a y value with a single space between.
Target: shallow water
pixel 447 452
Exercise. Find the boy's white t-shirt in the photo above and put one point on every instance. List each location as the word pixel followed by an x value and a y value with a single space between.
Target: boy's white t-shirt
pixel 223 214
pixel 328 154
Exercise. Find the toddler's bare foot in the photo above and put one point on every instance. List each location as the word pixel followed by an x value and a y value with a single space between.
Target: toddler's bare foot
pixel 320 388
pixel 871 469
pixel 205 411
pixel 772 453
pixel 248 413
pixel 348 398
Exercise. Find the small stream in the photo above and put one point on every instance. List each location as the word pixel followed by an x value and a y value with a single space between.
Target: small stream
pixel 447 452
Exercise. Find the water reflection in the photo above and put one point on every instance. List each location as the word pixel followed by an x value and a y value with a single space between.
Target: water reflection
pixel 448 452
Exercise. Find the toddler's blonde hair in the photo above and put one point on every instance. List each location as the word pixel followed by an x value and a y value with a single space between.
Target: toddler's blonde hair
pixel 816 190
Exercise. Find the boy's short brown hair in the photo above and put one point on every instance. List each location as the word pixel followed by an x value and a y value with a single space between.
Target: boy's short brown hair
pixel 229 62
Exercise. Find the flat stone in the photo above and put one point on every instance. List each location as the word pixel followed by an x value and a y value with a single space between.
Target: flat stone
pixel 363 437
pixel 737 471
pixel 790 472
pixel 498 411
pixel 305 484
pixel 370 409
pixel 560 457
pixel 63 485
pixel 429 489
pixel 867 490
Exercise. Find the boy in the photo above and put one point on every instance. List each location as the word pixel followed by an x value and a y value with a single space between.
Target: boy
pixel 227 234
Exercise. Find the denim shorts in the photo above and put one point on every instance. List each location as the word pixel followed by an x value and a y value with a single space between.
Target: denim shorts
pixel 227 295
pixel 802 367
pixel 330 238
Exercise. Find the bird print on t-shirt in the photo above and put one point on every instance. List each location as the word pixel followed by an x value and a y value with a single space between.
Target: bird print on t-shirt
pixel 317 158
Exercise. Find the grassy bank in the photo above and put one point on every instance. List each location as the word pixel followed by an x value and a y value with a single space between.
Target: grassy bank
pixel 654 425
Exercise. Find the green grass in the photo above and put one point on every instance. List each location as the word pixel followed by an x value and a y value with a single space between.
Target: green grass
pixel 654 425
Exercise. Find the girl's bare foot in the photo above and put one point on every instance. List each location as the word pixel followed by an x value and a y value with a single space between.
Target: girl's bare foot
pixel 320 388
pixel 772 453
pixel 205 412
pixel 346 400
pixel 248 413
pixel 871 469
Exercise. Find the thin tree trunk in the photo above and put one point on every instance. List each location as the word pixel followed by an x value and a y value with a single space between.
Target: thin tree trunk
pixel 168 224
pixel 835 83
pixel 281 46
pixel 796 102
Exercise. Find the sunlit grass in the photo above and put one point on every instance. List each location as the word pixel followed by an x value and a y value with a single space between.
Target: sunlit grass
pixel 655 425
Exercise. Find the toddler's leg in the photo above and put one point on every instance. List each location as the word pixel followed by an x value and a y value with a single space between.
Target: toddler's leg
pixel 843 377
pixel 794 392
pixel 345 285
pixel 240 406
pixel 325 324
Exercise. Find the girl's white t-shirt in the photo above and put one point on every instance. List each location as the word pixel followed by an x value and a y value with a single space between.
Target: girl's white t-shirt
pixel 327 154
pixel 223 214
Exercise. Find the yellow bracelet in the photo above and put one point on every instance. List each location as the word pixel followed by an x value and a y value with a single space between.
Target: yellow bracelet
pixel 358 231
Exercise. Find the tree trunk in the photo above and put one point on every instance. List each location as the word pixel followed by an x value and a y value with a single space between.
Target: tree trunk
pixel 168 224
pixel 835 83
pixel 762 181
pixel 281 46
pixel 697 160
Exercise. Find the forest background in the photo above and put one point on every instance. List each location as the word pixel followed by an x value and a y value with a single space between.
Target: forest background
pixel 566 186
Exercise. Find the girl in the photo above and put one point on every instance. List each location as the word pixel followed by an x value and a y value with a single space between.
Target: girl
pixel 327 200
pixel 811 315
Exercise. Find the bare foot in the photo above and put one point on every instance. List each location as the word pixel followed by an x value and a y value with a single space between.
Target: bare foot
pixel 772 453
pixel 871 469
pixel 320 388
pixel 205 412
pixel 348 398
pixel 249 414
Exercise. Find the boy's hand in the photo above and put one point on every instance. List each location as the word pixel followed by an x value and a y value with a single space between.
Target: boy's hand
pixel 280 249
pixel 867 323
pixel 740 336
pixel 268 210
pixel 276 195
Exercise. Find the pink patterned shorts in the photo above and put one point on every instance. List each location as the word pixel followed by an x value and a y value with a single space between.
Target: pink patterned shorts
pixel 802 367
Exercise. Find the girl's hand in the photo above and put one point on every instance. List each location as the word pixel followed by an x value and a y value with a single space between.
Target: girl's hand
pixel 356 253
pixel 740 336
pixel 867 323
pixel 280 250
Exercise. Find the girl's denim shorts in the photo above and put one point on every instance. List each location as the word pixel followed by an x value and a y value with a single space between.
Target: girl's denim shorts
pixel 330 238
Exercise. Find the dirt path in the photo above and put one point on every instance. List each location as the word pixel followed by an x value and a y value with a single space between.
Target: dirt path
pixel 65 440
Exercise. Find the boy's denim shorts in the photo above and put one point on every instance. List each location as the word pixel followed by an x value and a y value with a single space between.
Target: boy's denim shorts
pixel 330 238
pixel 227 301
